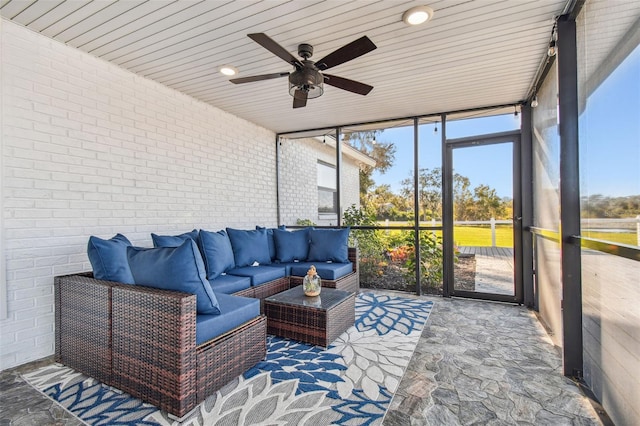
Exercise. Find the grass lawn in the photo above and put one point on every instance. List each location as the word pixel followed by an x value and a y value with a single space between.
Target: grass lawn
pixel 628 238
pixel 480 236
pixel 474 235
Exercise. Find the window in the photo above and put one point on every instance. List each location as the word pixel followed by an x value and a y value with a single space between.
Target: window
pixel 327 193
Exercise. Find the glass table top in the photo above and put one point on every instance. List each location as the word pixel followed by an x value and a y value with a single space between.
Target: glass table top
pixel 328 298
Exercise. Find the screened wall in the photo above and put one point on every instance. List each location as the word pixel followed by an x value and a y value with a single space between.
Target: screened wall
pixel 609 130
pixel 367 182
pixel 546 202
pixel 385 181
pixel 607 211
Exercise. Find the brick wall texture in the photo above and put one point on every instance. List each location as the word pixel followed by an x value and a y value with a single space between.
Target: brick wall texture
pixel 299 180
pixel 91 149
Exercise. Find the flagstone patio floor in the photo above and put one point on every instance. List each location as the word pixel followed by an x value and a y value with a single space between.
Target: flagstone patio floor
pixel 477 363
pixel 485 363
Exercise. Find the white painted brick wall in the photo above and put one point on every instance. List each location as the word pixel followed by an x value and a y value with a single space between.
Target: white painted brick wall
pixel 350 185
pixel 299 180
pixel 91 149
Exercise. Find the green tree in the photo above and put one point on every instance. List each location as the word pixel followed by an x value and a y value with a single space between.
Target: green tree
pixel 600 206
pixel 383 153
pixel 482 203
pixel 462 198
pixel 487 204
pixel 387 204
pixel 430 193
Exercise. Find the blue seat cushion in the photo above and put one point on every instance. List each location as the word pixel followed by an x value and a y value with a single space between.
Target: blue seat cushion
pixel 259 274
pixel 270 241
pixel 288 265
pixel 329 245
pixel 173 240
pixel 216 252
pixel 249 247
pixel 174 268
pixel 234 311
pixel 291 245
pixel 109 259
pixel 229 284
pixel 327 271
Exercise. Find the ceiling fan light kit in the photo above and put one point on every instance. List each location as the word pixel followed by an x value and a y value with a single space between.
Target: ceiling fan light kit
pixel 306 81
pixel 417 15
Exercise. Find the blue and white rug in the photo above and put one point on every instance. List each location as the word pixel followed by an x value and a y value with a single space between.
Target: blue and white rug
pixel 350 383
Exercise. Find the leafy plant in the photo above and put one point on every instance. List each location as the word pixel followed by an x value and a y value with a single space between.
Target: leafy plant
pixel 358 216
pixel 431 268
pixel 380 250
pixel 370 246
pixel 400 253
pixel 304 222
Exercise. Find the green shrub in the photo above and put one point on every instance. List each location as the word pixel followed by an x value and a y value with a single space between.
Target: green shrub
pixel 431 270
pixel 370 245
pixel 380 249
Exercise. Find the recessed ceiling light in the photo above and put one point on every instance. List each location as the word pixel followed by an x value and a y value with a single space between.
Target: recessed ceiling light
pixel 417 15
pixel 228 70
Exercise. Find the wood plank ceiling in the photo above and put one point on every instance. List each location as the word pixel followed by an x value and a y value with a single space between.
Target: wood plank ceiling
pixel 471 54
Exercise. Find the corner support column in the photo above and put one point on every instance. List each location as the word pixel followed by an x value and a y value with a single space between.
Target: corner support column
pixel 572 345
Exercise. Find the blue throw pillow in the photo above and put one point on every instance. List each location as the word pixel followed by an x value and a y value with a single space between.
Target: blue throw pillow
pixel 270 241
pixel 174 268
pixel 329 245
pixel 249 246
pixel 291 246
pixel 109 259
pixel 216 252
pixel 173 240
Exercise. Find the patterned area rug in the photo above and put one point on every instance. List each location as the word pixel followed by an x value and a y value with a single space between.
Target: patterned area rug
pixel 349 383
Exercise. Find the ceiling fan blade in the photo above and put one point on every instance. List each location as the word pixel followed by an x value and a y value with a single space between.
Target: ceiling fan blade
pixel 346 53
pixel 258 77
pixel 346 84
pixel 273 47
pixel 300 99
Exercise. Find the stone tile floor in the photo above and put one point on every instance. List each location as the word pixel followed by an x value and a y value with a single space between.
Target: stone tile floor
pixel 22 405
pixel 477 363
pixel 484 363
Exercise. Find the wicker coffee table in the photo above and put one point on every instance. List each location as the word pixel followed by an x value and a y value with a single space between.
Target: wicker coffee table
pixel 316 320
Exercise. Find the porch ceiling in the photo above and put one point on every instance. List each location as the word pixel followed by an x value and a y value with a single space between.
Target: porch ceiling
pixel 471 54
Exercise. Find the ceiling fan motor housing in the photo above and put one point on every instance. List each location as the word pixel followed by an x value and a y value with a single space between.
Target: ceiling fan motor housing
pixel 305 50
pixel 307 79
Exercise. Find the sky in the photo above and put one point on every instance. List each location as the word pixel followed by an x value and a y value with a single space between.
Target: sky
pixel 489 165
pixel 610 149
pixel 609 142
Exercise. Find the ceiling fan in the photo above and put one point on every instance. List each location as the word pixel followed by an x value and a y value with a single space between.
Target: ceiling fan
pixel 306 80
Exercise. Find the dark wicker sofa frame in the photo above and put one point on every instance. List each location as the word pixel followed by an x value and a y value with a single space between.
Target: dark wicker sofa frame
pixel 141 340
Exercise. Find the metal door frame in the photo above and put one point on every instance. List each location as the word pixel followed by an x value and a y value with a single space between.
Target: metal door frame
pixel 513 137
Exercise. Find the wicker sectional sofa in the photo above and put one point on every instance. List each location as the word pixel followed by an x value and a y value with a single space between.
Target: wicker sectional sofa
pixel 142 340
